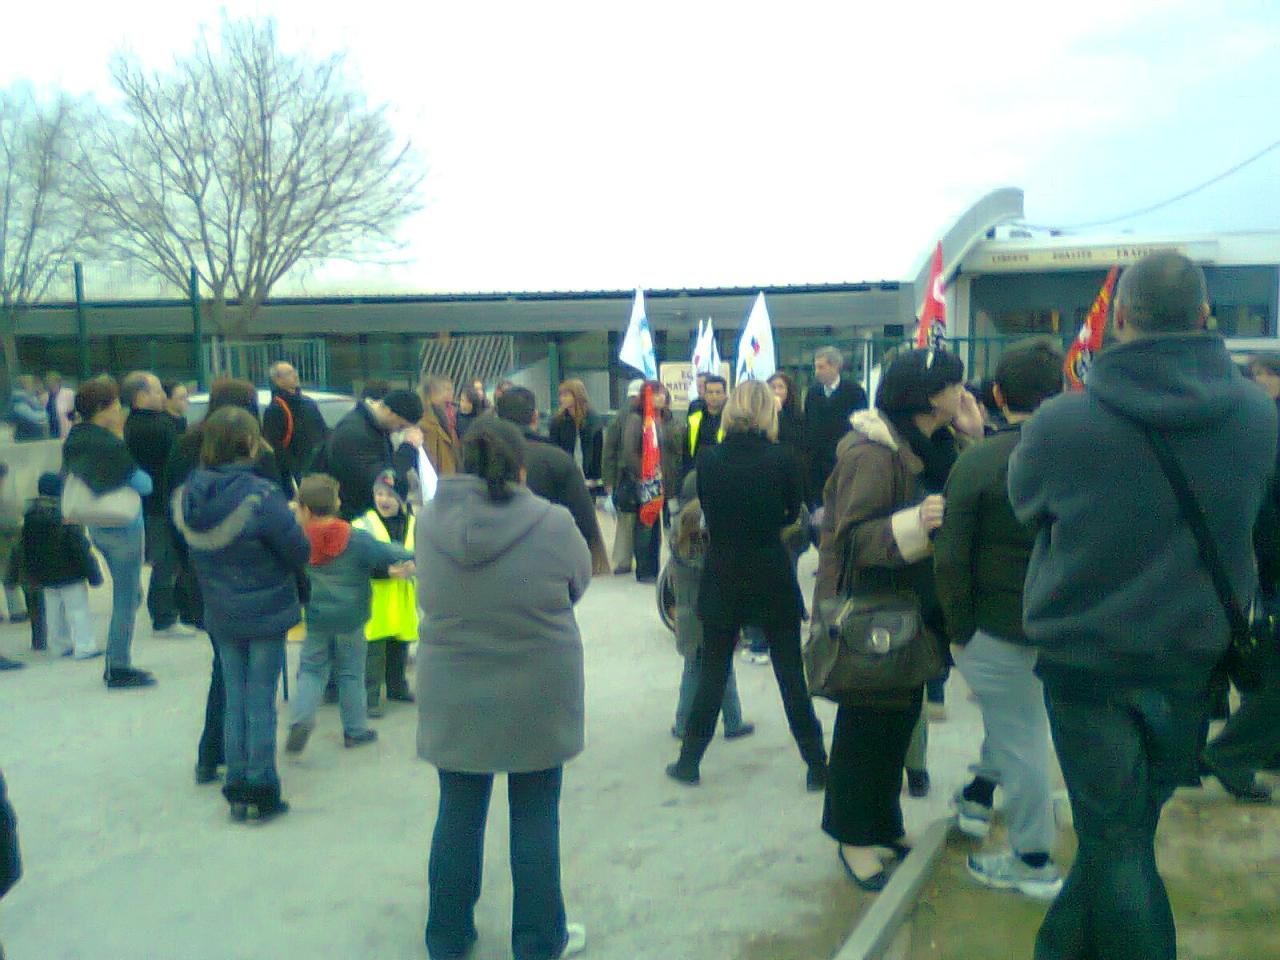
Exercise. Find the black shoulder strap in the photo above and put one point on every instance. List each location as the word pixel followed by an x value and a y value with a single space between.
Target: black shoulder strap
pixel 1194 515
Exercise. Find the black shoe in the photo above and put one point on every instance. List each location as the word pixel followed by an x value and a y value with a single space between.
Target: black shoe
pixel 815 781
pixel 402 696
pixel 239 812
pixel 266 812
pixel 206 773
pixel 687 775
pixel 359 739
pixel 647 580
pixel 7 664
pixel 1244 787
pixel 296 742
pixel 737 733
pixel 120 678
pixel 872 884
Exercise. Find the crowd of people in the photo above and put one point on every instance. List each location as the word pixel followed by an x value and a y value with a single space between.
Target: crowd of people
pixel 1030 540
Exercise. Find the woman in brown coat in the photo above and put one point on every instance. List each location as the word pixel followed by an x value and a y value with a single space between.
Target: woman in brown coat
pixel 882 503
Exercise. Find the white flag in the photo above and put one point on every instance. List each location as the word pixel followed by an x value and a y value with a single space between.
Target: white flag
pixel 637 345
pixel 427 478
pixel 756 357
pixel 696 361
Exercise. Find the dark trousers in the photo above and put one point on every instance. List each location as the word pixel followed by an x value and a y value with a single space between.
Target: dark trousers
pixel 718 641
pixel 162 554
pixel 1251 739
pixel 35 610
pixel 863 805
pixel 1122 752
pixel 386 663
pixel 538 930
pixel 648 549
pixel 187 597
pixel 210 753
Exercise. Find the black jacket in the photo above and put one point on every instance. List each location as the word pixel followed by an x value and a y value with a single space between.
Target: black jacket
pixel 10 857
pixel 1116 591
pixel 749 489
pixel 295 428
pixel 357 452
pixel 150 436
pixel 565 433
pixel 554 476
pixel 981 552
pixel 826 421
pixel 53 553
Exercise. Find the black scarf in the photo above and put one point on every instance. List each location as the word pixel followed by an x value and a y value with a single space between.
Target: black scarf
pixel 397 526
pixel 98 457
pixel 938 452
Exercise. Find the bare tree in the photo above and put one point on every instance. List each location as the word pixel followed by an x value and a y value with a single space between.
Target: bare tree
pixel 44 220
pixel 245 161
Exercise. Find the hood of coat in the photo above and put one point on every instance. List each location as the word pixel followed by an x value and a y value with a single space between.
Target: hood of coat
pixel 1177 382
pixel 472 530
pixel 328 537
pixel 216 506
pixel 874 427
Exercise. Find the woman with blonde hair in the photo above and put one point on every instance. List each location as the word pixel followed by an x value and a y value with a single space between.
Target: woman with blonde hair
pixel 750 488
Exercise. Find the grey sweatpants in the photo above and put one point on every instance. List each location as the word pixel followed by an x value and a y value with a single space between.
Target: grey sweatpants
pixel 1015 750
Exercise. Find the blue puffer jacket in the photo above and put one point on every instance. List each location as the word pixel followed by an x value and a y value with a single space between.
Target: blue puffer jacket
pixel 247 548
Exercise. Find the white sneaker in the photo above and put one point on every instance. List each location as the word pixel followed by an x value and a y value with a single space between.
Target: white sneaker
pixel 175 632
pixel 1005 871
pixel 972 818
pixel 577 940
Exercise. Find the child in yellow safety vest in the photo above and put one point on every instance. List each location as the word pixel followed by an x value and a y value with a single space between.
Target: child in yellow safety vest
pixel 393 619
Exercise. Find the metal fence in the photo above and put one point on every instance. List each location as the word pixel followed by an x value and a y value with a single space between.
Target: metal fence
pixel 251 359
pixel 980 354
pixel 462 359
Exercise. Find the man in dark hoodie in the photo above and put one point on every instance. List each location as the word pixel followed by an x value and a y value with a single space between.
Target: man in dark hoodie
pixel 1122 608
pixel 362 446
pixel 552 474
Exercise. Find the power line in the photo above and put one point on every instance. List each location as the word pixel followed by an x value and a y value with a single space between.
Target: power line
pixel 1171 200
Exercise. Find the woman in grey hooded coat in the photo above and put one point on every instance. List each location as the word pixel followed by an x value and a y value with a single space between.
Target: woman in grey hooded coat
pixel 500 687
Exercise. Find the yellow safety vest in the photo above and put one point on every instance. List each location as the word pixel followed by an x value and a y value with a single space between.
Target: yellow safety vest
pixel 393 614
pixel 695 424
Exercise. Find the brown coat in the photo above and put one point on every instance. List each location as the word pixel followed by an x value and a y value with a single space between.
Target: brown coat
pixel 440 442
pixel 870 516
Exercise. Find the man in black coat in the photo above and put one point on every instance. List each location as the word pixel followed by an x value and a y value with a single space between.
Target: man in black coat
pixel 361 446
pixel 293 424
pixel 552 474
pixel 827 407
pixel 150 434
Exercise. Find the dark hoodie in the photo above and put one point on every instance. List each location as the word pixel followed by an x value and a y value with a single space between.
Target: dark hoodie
pixel 342 562
pixel 247 548
pixel 1116 591
pixel 54 553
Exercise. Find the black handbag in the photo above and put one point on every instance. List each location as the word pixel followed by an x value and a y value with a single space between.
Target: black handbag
pixel 867 643
pixel 1253 630
pixel 626 498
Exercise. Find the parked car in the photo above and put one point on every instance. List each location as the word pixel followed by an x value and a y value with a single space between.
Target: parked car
pixel 333 406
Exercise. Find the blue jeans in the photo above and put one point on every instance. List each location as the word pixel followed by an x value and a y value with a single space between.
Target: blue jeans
pixel 122 549
pixel 250 670
pixel 538 929
pixel 1123 752
pixel 343 655
pixel 730 706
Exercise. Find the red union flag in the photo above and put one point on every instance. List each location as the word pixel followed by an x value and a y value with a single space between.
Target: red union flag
pixel 933 315
pixel 650 492
pixel 1089 340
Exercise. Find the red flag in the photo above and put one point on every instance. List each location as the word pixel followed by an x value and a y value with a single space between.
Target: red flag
pixel 933 315
pixel 650 492
pixel 1089 340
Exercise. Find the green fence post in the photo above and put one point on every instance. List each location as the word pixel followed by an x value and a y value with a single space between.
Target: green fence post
pixel 553 367
pixel 197 331
pixel 82 324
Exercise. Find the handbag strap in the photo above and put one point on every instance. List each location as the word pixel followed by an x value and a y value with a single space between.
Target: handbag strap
pixel 1193 513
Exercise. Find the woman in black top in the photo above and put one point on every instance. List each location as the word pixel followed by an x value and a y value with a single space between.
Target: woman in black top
pixel 750 488
pixel 790 419
pixel 579 431
pixel 472 405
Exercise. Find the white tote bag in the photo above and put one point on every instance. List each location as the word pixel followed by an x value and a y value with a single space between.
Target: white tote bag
pixel 117 508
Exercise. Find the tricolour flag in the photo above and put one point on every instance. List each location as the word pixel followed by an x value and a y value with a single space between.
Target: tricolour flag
pixel 1089 340
pixel 756 357
pixel 706 356
pixel 637 345
pixel 933 314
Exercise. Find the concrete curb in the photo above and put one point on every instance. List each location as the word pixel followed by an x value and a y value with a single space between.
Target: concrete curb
pixel 876 930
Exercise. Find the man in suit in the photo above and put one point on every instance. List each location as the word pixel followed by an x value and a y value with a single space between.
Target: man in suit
pixel 827 407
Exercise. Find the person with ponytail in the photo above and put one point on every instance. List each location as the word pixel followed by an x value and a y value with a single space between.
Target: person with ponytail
pixel 500 686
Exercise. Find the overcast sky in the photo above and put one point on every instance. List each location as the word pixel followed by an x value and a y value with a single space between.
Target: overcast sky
pixel 601 145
